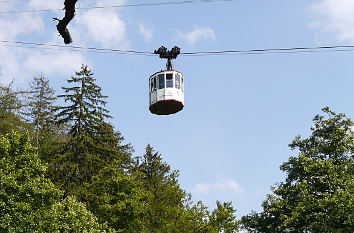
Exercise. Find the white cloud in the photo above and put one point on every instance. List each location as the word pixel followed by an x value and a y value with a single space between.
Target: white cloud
pixel 46 4
pixel 105 27
pixel 110 2
pixel 55 62
pixel 335 17
pixel 22 63
pixel 9 66
pixel 24 23
pixel 197 34
pixel 146 32
pixel 10 29
pixel 230 186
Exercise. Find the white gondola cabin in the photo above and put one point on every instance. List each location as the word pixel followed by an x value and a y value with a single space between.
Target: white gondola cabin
pixel 166 92
pixel 166 88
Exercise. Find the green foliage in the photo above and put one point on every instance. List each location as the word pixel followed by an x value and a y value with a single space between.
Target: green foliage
pixel 110 146
pixel 118 199
pixel 24 191
pixel 40 109
pixel 11 104
pixel 199 219
pixel 69 216
pixel 86 110
pixel 29 202
pixel 223 218
pixel 88 162
pixel 40 113
pixel 318 193
pixel 166 198
pixel 41 104
pixel 93 143
pixel 196 218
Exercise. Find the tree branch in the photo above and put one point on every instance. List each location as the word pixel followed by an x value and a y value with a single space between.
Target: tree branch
pixel 69 6
pixel 199 229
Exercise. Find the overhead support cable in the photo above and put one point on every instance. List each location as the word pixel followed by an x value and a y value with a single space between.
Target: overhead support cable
pixel 274 50
pixel 120 6
pixel 79 48
pixel 335 48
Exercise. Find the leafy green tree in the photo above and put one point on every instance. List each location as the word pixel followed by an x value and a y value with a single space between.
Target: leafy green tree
pixel 25 193
pixel 198 218
pixel 195 218
pixel 29 202
pixel 68 216
pixel 117 198
pixel 318 193
pixel 223 218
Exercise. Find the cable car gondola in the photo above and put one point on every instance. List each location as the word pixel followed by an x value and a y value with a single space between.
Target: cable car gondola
pixel 166 87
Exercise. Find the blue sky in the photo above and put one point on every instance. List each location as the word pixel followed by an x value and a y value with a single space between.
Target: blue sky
pixel 241 111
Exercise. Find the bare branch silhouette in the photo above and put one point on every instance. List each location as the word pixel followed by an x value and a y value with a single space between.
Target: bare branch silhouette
pixel 69 7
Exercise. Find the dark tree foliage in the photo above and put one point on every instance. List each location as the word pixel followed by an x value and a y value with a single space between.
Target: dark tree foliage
pixel 110 145
pixel 82 156
pixel 318 193
pixel 86 109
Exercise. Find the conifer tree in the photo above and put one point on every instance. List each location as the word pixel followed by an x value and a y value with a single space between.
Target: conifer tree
pixel 168 208
pixel 86 111
pixel 40 112
pixel 167 199
pixel 109 144
pixel 93 143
